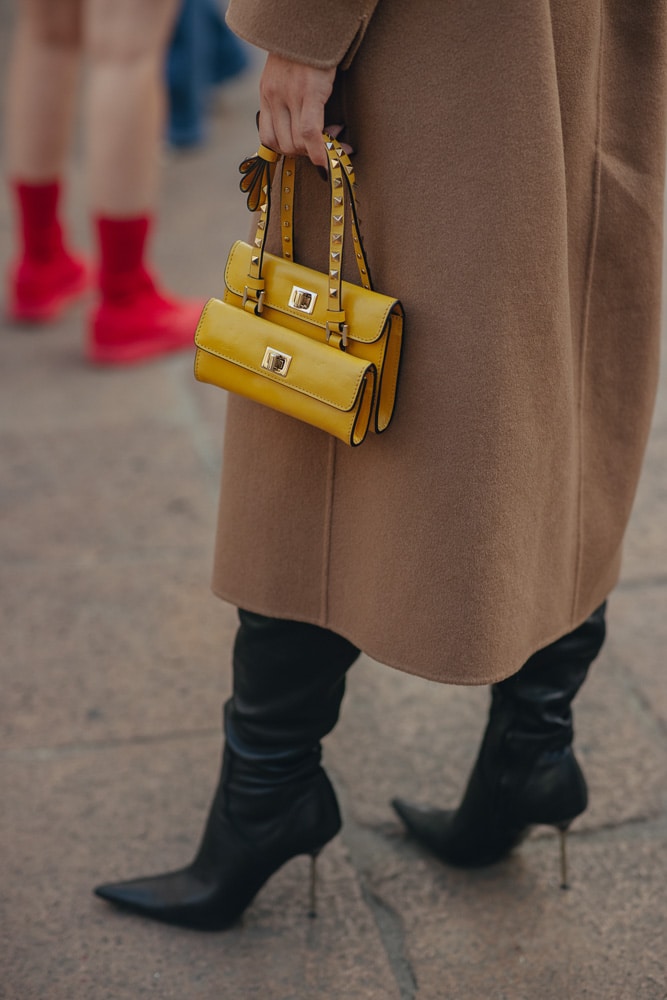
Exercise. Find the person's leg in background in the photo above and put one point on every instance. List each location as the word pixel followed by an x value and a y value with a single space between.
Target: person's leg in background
pixel 41 93
pixel 203 54
pixel 126 43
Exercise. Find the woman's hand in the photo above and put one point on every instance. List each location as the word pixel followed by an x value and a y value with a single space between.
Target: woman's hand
pixel 292 100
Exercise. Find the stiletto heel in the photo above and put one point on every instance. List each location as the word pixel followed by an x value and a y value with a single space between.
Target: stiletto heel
pixel 526 772
pixel 231 866
pixel 312 909
pixel 562 837
pixel 274 801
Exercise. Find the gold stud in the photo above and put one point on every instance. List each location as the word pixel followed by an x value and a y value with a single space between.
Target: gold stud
pixel 261 224
pixel 338 200
pixel 338 219
pixel 254 260
pixel 339 152
pixel 355 237
pixel 333 293
pixel 335 255
pixel 337 238
pixel 334 274
pixel 349 167
pixel 287 239
pixel 335 163
pixel 287 254
pixel 363 270
pixel 287 190
pixel 329 145
pixel 265 189
pixel 288 173
pixel 359 256
pixel 286 224
pixel 258 242
pixel 338 182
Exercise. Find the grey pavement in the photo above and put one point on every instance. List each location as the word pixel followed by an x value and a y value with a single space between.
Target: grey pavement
pixel 115 661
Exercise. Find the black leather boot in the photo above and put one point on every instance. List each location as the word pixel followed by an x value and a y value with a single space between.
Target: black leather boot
pixel 526 771
pixel 274 800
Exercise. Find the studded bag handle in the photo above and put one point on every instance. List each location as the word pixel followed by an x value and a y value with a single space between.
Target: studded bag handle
pixel 258 173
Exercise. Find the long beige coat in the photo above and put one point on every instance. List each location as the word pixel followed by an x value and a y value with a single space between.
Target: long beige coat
pixel 510 160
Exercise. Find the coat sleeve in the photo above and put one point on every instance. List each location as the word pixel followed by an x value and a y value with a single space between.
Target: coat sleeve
pixel 320 33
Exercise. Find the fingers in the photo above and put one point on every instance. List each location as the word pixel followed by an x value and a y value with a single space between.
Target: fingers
pixel 275 129
pixel 309 132
pixel 334 131
pixel 292 100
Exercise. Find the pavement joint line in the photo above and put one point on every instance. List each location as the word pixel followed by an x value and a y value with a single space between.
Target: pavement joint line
pixel 390 928
pixel 362 857
pixel 634 690
pixel 392 934
pixel 647 706
pixel 652 822
pixel 389 924
pixel 192 419
pixel 641 583
pixel 112 557
pixel 28 754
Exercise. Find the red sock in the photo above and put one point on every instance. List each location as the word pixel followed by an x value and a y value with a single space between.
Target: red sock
pixel 134 320
pixel 122 244
pixel 41 234
pixel 45 277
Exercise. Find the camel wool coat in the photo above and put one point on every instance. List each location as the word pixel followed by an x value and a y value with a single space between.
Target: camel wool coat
pixel 510 168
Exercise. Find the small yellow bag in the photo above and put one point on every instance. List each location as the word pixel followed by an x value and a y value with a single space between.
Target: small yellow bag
pixel 308 344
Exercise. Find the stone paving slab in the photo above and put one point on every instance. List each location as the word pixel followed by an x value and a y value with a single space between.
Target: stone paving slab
pixel 638 647
pixel 88 815
pixel 60 391
pixel 131 487
pixel 112 651
pixel 510 933
pixel 645 549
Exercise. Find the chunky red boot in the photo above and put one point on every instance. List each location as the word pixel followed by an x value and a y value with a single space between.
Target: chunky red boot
pixel 134 321
pixel 47 277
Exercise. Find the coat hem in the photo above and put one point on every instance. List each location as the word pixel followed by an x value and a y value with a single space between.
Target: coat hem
pixel 437 677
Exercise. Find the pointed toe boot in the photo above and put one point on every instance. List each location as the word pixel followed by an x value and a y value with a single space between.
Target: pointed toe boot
pixel 526 772
pixel 274 800
pixel 238 853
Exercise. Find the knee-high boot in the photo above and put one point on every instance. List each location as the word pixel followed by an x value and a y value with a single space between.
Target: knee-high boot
pixel 274 800
pixel 526 772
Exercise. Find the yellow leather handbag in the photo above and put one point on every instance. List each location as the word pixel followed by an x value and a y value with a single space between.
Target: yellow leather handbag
pixel 308 344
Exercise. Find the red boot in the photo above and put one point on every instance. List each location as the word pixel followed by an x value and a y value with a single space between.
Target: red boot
pixel 134 320
pixel 47 276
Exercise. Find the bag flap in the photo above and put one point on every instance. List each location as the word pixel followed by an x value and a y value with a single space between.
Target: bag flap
pixel 296 361
pixel 366 311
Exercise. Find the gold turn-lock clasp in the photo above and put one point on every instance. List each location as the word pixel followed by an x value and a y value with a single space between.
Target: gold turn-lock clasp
pixel 302 299
pixel 276 361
